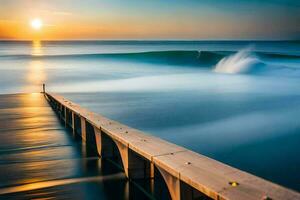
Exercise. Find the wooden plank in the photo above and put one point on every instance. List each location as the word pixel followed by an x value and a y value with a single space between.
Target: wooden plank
pixel 213 178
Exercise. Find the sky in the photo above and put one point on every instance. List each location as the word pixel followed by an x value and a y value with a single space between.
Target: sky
pixel 151 19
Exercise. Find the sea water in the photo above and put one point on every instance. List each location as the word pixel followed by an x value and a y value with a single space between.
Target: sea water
pixel 235 101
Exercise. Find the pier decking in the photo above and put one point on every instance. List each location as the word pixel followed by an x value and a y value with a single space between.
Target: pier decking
pixel 187 174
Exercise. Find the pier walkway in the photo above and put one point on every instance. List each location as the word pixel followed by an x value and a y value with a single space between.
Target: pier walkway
pixel 188 175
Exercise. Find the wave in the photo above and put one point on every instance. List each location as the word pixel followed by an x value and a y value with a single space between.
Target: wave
pixel 193 58
pixel 241 62
pixel 247 62
pixel 276 55
pixel 189 54
pixel 244 61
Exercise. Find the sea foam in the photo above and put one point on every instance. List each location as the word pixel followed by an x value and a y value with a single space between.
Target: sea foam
pixel 239 62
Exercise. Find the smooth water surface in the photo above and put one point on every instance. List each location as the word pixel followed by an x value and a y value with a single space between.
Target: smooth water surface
pixel 237 102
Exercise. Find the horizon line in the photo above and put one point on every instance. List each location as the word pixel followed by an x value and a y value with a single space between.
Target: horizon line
pixel 151 40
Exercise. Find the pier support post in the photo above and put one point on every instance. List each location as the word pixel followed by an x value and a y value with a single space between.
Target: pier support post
pixel 104 144
pixel 73 123
pixel 123 150
pixel 135 166
pixel 83 128
pixel 178 189
pixel 60 111
pixel 172 182
pixel 139 167
pixel 66 119
pixel 77 124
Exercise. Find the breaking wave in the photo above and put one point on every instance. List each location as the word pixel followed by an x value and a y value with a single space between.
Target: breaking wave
pixel 241 62
pixel 246 61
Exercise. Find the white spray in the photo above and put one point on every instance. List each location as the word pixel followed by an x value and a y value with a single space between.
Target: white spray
pixel 238 63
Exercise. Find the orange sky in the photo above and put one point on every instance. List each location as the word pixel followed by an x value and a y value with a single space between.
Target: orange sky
pixel 114 19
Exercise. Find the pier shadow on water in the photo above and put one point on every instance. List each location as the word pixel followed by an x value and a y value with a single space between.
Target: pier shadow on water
pixel 40 158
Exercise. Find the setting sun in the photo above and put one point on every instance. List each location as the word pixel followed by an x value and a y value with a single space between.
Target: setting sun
pixel 36 24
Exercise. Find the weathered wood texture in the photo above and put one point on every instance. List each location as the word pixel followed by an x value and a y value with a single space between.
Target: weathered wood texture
pixel 204 174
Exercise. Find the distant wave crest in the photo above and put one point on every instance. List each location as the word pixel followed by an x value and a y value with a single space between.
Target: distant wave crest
pixel 177 57
pixel 240 62
pixel 243 61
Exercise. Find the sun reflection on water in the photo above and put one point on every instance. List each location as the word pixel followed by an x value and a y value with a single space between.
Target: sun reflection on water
pixel 36 75
pixel 37 49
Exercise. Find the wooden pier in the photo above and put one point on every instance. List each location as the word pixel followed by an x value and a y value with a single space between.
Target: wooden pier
pixel 188 175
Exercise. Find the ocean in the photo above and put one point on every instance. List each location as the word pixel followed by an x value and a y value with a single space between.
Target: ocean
pixel 235 101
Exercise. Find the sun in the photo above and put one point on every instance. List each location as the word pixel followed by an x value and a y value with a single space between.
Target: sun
pixel 36 24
